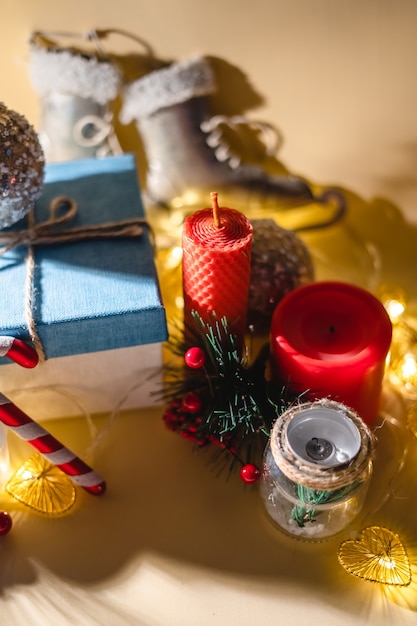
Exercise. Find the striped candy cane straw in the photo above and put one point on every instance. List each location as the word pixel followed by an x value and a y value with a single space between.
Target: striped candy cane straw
pixel 29 430
pixel 18 351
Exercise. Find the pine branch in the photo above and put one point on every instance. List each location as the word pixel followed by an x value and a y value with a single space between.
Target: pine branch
pixel 225 402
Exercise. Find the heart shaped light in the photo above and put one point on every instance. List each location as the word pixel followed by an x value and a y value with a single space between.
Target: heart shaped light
pixel 377 555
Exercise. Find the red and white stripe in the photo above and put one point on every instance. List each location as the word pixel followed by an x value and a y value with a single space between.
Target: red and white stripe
pixel 53 450
pixel 18 351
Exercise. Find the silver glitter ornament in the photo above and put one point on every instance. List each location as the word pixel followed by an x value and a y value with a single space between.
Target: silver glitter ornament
pixel 280 262
pixel 21 166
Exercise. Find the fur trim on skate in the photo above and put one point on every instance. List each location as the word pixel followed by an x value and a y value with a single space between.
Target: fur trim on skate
pixel 167 87
pixel 62 71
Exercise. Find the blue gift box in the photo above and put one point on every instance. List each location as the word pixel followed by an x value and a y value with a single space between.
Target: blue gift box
pixel 90 297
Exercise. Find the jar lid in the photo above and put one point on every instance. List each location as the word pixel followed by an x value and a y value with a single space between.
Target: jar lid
pixel 321 444
pixel 323 436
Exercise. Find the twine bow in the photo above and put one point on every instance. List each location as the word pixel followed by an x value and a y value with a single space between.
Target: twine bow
pixel 53 230
pixel 62 210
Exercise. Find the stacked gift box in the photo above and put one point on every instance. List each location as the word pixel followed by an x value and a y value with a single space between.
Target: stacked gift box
pixel 96 306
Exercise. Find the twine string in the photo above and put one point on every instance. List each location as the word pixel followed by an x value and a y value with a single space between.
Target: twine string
pixel 319 477
pixel 54 230
pixel 62 211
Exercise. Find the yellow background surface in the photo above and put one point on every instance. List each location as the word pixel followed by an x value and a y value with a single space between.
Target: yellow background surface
pixel 171 544
pixel 336 77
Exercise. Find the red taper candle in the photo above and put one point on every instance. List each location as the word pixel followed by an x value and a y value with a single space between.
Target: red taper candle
pixel 52 449
pixel 216 266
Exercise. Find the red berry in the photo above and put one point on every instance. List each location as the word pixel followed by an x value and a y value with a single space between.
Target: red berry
pixel 5 522
pixel 195 357
pixel 191 402
pixel 250 473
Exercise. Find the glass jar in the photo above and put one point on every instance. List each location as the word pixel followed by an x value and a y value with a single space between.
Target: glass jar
pixel 316 470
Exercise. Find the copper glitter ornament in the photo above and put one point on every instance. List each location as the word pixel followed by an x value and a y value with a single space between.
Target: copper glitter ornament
pixel 280 263
pixel 21 166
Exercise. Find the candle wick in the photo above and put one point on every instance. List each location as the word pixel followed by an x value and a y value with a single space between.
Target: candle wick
pixel 216 209
pixel 332 329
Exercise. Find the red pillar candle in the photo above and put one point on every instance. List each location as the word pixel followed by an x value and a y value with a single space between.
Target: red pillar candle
pixel 331 339
pixel 216 265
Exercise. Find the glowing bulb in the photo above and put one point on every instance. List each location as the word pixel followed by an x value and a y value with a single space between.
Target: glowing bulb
pixel 191 197
pixel 388 563
pixel 173 258
pixel 395 309
pixel 408 368
pixel 401 366
pixel 176 203
pixel 394 300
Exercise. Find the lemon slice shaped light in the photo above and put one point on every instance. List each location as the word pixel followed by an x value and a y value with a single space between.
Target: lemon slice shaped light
pixel 42 486
pixel 377 555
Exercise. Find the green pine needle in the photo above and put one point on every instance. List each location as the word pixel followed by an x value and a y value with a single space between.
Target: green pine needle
pixel 238 407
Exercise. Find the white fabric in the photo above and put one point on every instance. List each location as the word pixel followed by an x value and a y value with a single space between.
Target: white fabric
pixel 167 87
pixel 6 343
pixel 29 431
pixel 96 382
pixel 60 456
pixel 62 71
pixel 90 479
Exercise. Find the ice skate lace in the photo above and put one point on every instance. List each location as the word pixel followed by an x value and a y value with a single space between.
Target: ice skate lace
pixel 46 39
pixel 215 140
pixel 272 141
